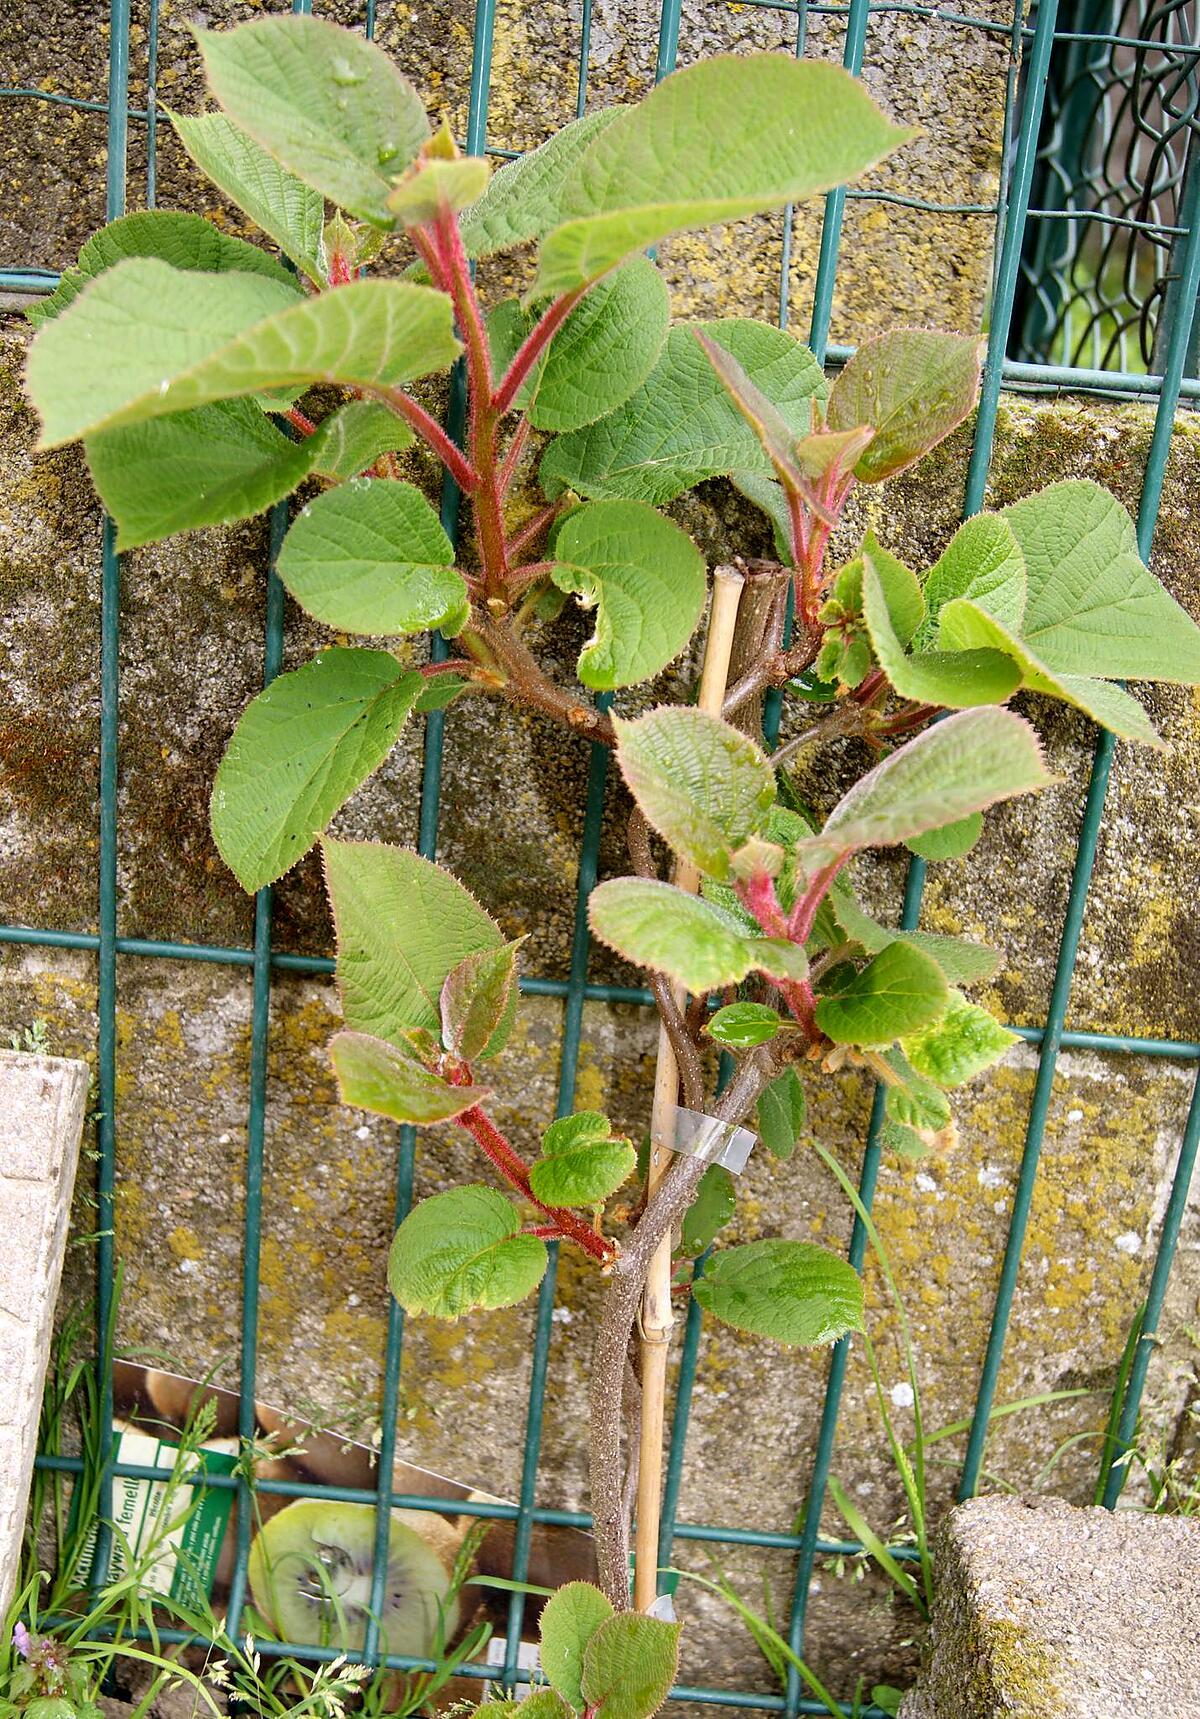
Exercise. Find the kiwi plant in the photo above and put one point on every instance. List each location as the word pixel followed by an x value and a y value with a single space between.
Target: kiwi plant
pixel 183 358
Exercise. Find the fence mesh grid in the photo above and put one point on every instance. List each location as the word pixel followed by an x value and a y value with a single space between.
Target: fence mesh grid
pixel 1049 272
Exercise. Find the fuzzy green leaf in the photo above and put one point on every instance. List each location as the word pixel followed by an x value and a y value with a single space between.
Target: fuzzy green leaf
pixel 684 936
pixel 1092 607
pixel 961 962
pixel 462 1250
pixel 184 241
pixel 523 200
pixel 961 765
pixel 681 426
pixel 582 1163
pixel 965 627
pixel 647 581
pixel 982 560
pixel 919 1105
pixel 912 387
pixel 477 999
pixel 781 1112
pixel 432 185
pixel 744 1025
pixel 403 924
pixel 299 751
pixel 287 209
pixel 899 990
pixel 951 841
pixel 629 1666
pixel 376 1076
pixel 328 105
pixel 774 434
pixel 704 786
pixel 183 343
pixel 371 557
pixel 709 1212
pixel 956 679
pixel 224 462
pixel 727 137
pixel 966 1040
pixel 570 1618
pixel 899 586
pixel 791 1291
pixel 603 352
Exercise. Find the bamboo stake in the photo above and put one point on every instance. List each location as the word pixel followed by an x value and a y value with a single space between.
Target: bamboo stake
pixel 657 1317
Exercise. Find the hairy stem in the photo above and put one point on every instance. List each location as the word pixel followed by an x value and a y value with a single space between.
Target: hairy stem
pixel 567 1225
pixel 846 718
pixel 532 347
pixel 533 528
pixel 431 433
pixel 674 1196
pixel 528 685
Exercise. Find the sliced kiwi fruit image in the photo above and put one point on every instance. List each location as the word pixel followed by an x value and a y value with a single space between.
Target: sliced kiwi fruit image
pixel 310 1575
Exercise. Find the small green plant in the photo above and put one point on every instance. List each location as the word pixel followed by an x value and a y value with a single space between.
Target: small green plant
pixel 183 357
pixel 34 1039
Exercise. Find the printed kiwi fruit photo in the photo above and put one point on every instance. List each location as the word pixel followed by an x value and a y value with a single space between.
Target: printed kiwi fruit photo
pixel 310 1576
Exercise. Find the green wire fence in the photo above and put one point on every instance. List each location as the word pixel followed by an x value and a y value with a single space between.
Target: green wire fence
pixel 1049 130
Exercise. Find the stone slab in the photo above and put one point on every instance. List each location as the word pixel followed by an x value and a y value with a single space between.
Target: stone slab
pixel 1043 1609
pixel 42 1103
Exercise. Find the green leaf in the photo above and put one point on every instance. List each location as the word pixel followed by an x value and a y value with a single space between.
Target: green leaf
pixel 774 434
pixel 570 1618
pixel 1092 607
pixel 184 241
pixel 299 751
pixel 684 936
pixel 647 581
pixel 961 765
pixel 372 557
pixel 917 1104
pixel 727 137
pixel 462 1250
pixel 966 1040
pixel 982 560
pixel 956 679
pixel 964 626
pixel 376 1076
pixel 629 1666
pixel 744 1025
pixel 403 924
pixel 220 463
pixel 183 343
pixel 704 786
pixel 781 1113
pixel 433 184
pixel 961 962
pixel 791 1291
pixel 603 352
pixel 899 587
pixel 477 999
pixel 912 387
pixel 951 841
pixel 582 1162
pixel 287 209
pixel 681 426
pixel 899 990
pixel 523 200
pixel 328 105
pixel 712 1208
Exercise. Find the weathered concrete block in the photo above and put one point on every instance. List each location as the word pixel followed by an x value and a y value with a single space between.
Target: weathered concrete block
pixel 42 1101
pixel 1045 1610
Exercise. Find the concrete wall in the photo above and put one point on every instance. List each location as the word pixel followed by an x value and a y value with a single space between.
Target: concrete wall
pixel 510 826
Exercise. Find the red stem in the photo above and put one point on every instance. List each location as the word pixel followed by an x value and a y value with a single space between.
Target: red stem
pixel 805 911
pixel 757 893
pixel 299 421
pixel 532 530
pixel 430 432
pixel 512 1167
pixel 515 449
pixel 483 416
pixel 531 348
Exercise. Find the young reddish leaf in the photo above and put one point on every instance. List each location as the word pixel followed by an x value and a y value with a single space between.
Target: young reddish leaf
pixel 377 1076
pixel 912 387
pixel 476 998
